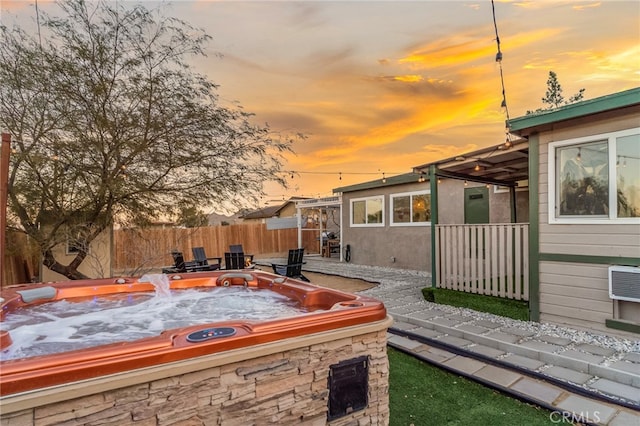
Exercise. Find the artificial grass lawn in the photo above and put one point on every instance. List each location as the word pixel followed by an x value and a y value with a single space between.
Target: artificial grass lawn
pixel 423 395
pixel 516 309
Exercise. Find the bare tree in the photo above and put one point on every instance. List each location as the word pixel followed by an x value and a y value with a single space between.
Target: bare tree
pixel 111 123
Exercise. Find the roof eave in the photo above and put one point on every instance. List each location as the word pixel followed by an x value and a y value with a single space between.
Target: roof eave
pixel 521 125
pixel 378 183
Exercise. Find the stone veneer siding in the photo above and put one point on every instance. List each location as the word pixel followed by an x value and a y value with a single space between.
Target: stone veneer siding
pixel 286 388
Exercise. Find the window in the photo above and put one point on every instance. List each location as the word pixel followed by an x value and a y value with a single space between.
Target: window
pixel 628 176
pixel 595 179
pixel 74 244
pixel 411 208
pixel 367 211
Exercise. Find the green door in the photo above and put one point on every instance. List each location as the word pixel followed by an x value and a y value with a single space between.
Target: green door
pixel 476 205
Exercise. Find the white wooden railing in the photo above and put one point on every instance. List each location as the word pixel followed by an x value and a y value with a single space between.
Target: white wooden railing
pixel 490 259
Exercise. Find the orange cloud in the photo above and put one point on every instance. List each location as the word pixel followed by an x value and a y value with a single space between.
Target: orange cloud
pixel 449 52
pixel 586 6
pixel 409 78
pixel 437 56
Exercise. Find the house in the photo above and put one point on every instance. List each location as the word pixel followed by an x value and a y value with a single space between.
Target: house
pixel 369 230
pixel 392 221
pixel 570 245
pixel 285 210
pixel 584 171
pixel 215 219
pixel 97 264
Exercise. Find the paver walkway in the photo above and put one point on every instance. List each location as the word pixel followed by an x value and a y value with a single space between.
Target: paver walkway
pixel 591 382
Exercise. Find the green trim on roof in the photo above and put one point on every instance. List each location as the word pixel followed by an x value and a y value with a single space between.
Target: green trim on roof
pixel 579 109
pixel 390 181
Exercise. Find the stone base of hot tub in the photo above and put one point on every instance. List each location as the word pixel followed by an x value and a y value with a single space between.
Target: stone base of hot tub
pixel 282 382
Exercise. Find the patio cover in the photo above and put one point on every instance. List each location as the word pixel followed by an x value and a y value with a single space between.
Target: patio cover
pixel 495 165
pixel 327 203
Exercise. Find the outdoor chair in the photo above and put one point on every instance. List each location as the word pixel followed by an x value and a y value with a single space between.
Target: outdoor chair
pixel 234 260
pixel 293 268
pixel 200 257
pixel 248 258
pixel 180 265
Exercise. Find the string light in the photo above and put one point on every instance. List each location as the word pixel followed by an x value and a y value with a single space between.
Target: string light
pixel 507 143
pixel 477 167
pixel 579 156
pixel 384 179
pixel 421 178
pixel 340 174
pixel 503 105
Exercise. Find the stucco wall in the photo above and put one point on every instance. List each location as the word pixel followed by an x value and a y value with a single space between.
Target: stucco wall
pixel 407 247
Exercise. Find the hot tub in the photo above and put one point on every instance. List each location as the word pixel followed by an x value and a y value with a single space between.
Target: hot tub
pixel 204 371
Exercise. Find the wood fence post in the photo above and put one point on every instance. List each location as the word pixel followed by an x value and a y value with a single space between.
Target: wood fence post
pixel 4 189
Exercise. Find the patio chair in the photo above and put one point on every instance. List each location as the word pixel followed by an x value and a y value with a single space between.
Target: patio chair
pixel 180 265
pixel 237 248
pixel 200 257
pixel 234 260
pixel 293 268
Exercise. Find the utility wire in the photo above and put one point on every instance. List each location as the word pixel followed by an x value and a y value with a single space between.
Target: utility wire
pixel 38 23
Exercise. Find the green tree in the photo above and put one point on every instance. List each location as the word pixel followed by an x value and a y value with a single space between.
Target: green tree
pixel 192 217
pixel 110 122
pixel 553 98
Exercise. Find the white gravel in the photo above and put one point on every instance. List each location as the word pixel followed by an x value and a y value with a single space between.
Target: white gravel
pixel 394 280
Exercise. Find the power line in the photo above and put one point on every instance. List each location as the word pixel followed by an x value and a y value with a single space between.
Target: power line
pixel 38 22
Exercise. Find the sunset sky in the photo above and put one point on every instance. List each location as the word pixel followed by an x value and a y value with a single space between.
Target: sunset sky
pixel 384 86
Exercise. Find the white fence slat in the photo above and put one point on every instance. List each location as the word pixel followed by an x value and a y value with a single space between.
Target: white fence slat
pixel 473 259
pixel 486 259
pixel 509 260
pixel 525 262
pixel 500 260
pixel 517 272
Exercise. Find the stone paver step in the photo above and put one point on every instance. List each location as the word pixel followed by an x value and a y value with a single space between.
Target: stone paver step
pixel 537 366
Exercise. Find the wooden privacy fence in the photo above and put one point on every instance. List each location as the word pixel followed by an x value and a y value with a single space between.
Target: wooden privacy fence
pixel 491 259
pixel 138 250
pixel 21 259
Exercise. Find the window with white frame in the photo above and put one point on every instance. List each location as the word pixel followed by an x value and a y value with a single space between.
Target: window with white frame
pixel 411 208
pixel 595 179
pixel 75 242
pixel 367 211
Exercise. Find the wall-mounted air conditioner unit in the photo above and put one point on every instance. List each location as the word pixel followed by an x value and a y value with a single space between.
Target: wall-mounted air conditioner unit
pixel 624 283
